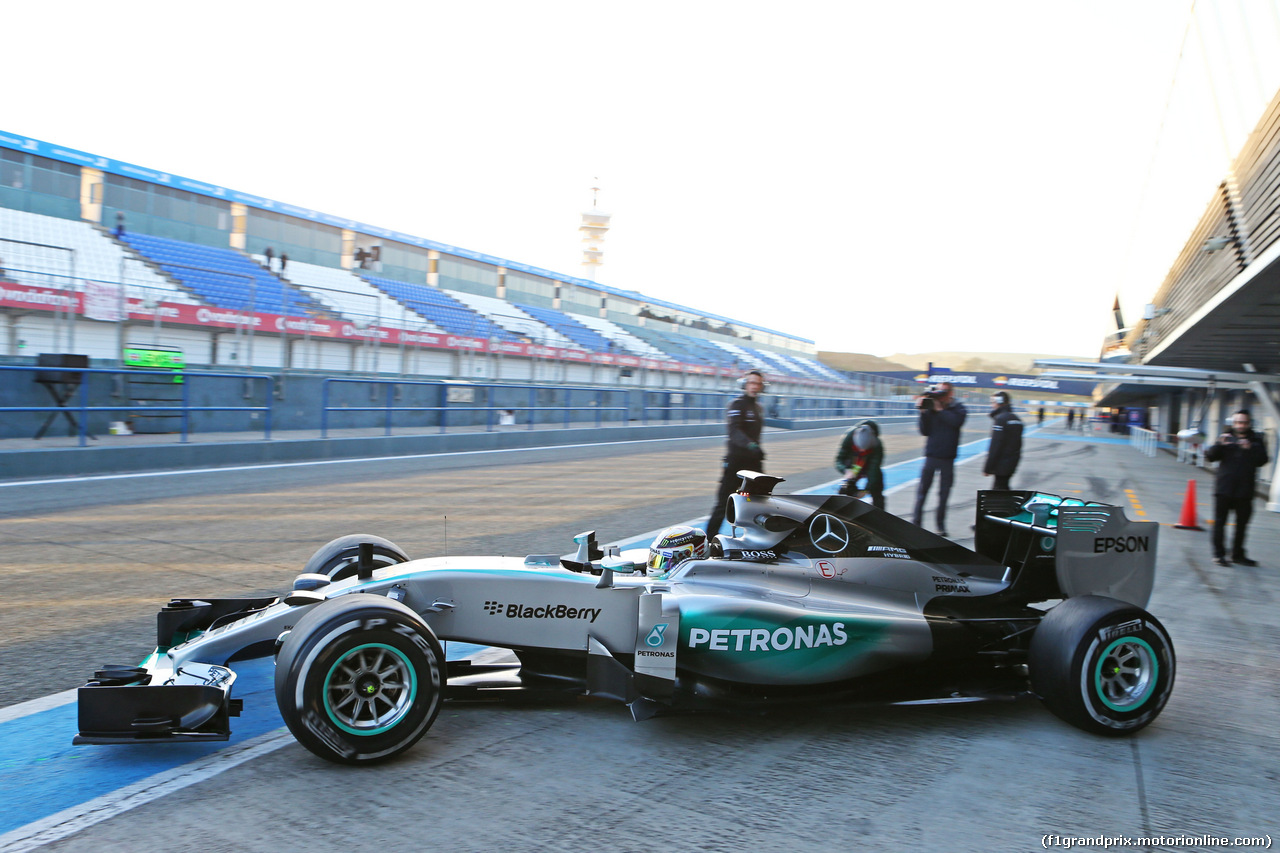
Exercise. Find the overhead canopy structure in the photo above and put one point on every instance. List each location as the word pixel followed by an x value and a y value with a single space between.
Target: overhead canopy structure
pixel 1238 325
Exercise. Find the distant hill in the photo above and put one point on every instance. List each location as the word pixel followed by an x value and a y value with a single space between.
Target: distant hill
pixel 975 362
pixel 859 362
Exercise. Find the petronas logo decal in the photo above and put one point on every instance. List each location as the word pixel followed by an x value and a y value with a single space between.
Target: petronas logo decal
pixel 655 636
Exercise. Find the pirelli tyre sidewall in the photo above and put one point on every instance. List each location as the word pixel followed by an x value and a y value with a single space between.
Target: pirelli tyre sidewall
pixel 338 559
pixel 1102 665
pixel 359 679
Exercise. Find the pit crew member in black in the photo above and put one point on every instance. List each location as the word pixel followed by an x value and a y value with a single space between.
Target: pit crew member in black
pixel 861 455
pixel 1239 454
pixel 1006 442
pixel 744 420
pixel 941 417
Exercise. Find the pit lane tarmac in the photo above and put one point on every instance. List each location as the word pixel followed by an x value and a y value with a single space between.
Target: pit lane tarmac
pixel 85 569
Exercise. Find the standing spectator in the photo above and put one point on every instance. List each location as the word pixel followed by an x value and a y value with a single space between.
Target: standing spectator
pixel 270 256
pixel 744 421
pixel 284 259
pixel 1071 419
pixel 1006 442
pixel 1040 416
pixel 119 224
pixel 1239 452
pixel 941 418
pixel 861 454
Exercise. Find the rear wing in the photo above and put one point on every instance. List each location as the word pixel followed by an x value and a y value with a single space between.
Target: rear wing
pixel 1062 547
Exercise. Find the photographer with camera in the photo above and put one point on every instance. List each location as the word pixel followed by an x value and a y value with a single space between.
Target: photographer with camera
pixel 1239 453
pixel 941 418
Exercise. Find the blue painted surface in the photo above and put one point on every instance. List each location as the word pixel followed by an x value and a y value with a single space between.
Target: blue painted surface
pixel 41 773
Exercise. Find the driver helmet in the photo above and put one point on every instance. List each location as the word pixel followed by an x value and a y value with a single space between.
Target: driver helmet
pixel 864 437
pixel 675 545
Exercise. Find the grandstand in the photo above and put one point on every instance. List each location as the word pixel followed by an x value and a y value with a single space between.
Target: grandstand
pixel 222 277
pixel 569 329
pixel 620 338
pixel 347 287
pixel 350 296
pixel 440 308
pixel 514 318
pixel 45 251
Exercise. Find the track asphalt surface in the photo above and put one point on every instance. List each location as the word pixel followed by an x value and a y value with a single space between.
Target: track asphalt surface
pixel 581 774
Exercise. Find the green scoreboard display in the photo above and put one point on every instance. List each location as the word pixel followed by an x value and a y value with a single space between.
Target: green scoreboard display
pixel 155 358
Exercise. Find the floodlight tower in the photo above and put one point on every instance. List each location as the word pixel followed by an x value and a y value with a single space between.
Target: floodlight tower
pixel 595 224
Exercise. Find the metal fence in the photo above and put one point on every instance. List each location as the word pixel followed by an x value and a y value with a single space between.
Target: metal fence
pixel 470 404
pixel 70 389
pixel 330 403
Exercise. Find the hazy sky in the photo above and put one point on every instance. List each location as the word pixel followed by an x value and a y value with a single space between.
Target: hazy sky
pixel 877 177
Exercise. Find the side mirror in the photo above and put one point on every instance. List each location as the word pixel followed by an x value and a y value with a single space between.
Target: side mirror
pixel 620 565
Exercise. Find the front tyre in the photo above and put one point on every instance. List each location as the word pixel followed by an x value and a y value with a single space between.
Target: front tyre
pixel 359 679
pixel 1102 665
pixel 340 558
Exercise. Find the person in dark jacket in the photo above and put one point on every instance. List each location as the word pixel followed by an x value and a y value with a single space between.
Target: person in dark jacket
pixel 744 421
pixel 1006 442
pixel 1239 453
pixel 861 455
pixel 941 418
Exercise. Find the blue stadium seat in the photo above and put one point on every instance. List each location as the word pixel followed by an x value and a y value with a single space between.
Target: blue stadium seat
pixel 440 308
pixel 222 277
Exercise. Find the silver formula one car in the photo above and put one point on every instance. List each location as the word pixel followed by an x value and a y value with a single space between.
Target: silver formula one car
pixel 814 599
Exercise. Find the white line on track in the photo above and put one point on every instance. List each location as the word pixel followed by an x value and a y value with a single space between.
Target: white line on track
pixel 72 820
pixel 35 706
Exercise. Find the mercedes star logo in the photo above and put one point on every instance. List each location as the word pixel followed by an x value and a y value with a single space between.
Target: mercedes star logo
pixel 828 534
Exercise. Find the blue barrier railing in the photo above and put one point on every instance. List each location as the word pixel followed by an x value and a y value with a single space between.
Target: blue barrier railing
pixel 816 408
pixel 184 409
pixel 668 414
pixel 389 407
pixel 481 407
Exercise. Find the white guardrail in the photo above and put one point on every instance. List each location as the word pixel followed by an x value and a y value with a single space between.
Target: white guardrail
pixel 1144 439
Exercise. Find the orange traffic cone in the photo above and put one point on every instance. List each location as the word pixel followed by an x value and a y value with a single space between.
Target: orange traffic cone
pixel 1188 520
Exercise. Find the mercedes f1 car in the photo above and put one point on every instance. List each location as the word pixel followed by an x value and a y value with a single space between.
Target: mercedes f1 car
pixel 814 598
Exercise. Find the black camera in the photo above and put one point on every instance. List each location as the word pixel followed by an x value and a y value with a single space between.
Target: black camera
pixel 932 393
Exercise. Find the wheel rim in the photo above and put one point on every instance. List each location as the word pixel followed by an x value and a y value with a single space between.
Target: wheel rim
pixel 1126 674
pixel 369 689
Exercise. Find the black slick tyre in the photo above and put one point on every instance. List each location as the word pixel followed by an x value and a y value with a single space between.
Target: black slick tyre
pixel 338 559
pixel 1102 665
pixel 359 679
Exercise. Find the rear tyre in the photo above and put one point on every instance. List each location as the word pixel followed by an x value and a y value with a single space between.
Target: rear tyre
pixel 359 679
pixel 339 558
pixel 1102 665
